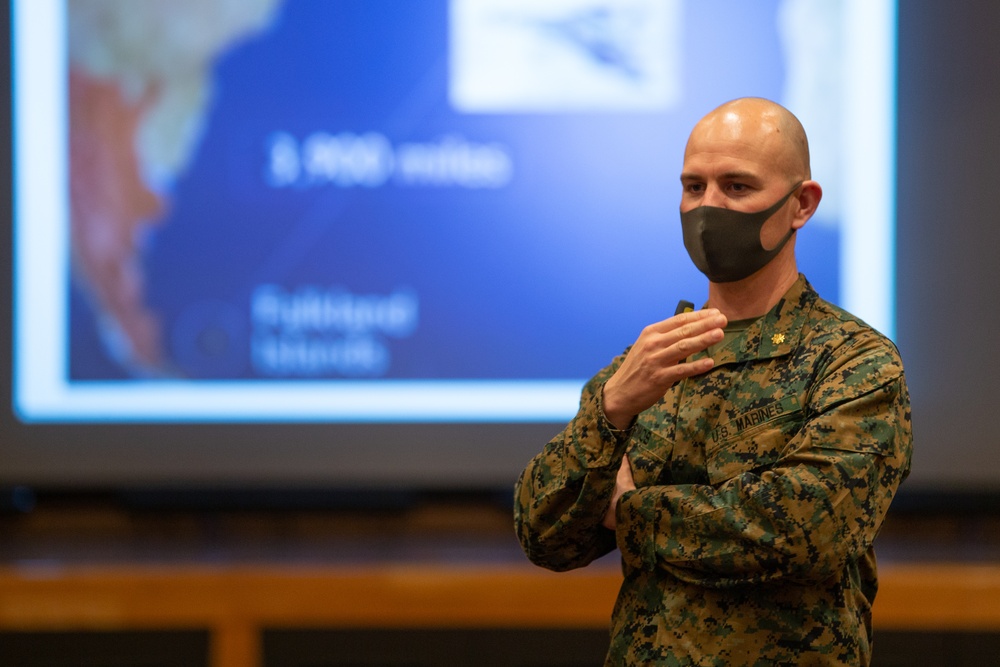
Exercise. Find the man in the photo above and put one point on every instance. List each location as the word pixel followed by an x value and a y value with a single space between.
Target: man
pixel 742 457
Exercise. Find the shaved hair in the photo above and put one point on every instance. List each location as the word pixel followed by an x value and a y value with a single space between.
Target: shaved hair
pixel 771 118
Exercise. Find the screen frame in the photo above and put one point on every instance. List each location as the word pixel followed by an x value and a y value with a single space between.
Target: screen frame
pixel 422 448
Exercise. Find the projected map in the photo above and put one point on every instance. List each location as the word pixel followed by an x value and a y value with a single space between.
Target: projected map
pixel 334 195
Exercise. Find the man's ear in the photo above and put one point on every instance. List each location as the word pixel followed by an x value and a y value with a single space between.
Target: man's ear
pixel 808 200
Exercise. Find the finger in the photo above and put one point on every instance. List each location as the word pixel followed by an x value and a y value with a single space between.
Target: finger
pixel 690 336
pixel 692 344
pixel 686 369
pixel 688 318
pixel 714 320
pixel 627 470
pixel 670 349
pixel 697 367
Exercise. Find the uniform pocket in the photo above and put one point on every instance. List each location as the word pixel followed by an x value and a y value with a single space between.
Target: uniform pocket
pixel 648 455
pixel 755 440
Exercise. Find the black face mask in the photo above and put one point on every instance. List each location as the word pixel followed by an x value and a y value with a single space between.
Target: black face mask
pixel 725 244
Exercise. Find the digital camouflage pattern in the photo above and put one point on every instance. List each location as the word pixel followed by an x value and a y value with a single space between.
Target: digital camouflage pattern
pixel 761 486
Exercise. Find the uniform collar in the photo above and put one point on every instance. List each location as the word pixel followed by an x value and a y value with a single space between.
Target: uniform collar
pixel 776 333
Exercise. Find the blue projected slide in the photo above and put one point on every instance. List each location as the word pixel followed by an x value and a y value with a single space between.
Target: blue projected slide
pixel 372 210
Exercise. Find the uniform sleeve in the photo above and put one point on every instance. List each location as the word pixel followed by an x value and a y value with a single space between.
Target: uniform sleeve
pixel 820 505
pixel 564 492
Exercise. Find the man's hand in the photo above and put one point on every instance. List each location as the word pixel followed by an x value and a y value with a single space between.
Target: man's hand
pixel 656 362
pixel 624 482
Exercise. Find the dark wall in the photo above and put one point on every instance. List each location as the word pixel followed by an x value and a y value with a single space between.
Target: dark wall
pixel 948 236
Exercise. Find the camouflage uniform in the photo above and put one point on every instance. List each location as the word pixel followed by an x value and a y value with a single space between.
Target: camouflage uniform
pixel 760 488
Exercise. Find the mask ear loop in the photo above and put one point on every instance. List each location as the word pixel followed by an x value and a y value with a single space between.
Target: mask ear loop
pixel 780 204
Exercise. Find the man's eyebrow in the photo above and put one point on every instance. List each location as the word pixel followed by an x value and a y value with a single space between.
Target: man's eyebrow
pixel 728 176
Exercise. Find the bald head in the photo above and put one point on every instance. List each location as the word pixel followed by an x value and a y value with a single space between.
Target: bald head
pixel 760 125
pixel 745 156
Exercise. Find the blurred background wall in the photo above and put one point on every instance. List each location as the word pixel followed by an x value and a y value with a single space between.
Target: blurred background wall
pixel 948 278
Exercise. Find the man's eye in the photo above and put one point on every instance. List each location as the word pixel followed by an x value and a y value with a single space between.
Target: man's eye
pixel 694 188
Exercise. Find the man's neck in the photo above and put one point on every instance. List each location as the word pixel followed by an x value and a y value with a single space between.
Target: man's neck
pixel 756 295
